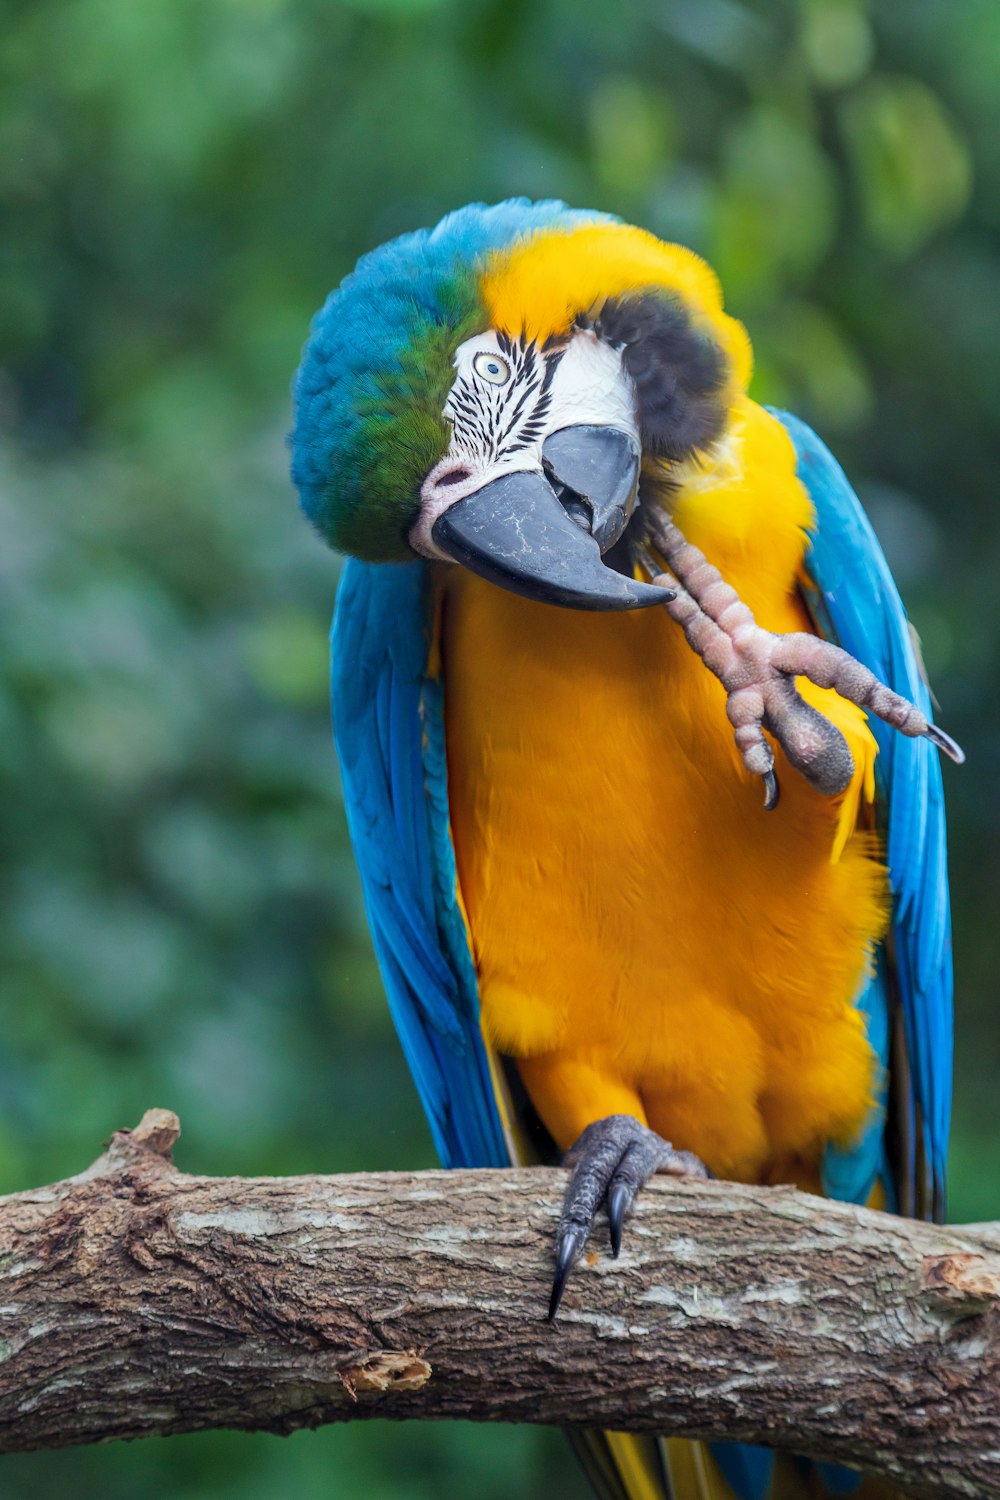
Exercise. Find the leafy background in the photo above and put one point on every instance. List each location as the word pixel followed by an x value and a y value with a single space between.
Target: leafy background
pixel 183 181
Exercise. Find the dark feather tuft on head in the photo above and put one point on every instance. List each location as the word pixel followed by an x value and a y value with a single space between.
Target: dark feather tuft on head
pixel 679 372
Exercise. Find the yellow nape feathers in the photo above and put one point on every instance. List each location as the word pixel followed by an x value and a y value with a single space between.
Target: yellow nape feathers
pixel 546 282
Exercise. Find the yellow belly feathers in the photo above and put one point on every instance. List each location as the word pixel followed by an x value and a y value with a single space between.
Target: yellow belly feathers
pixel 647 938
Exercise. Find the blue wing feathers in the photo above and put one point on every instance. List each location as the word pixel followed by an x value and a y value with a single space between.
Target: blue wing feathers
pixel 450 918
pixel 866 617
pixel 389 728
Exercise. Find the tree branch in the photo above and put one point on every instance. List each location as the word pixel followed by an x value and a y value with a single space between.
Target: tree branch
pixel 135 1299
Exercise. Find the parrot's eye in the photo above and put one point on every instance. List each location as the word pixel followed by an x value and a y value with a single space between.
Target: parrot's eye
pixel 492 368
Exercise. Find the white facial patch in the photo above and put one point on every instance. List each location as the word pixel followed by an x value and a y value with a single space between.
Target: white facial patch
pixel 507 398
pixel 590 385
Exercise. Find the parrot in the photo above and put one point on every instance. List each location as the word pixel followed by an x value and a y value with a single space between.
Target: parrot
pixel 596 599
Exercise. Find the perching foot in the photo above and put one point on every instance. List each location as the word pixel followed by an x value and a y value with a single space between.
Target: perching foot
pixel 758 671
pixel 610 1162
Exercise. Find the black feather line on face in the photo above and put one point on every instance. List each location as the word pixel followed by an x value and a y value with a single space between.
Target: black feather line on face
pixel 487 420
pixel 679 372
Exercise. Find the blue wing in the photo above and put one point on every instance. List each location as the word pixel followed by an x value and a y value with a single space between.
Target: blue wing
pixel 858 606
pixel 389 728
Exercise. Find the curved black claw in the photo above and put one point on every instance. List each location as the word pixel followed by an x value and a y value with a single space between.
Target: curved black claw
pixel 611 1161
pixel 945 742
pixel 771 790
pixel 568 1247
pixel 619 1199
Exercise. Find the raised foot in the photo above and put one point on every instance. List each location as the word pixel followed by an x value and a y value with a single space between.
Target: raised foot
pixel 610 1162
pixel 758 670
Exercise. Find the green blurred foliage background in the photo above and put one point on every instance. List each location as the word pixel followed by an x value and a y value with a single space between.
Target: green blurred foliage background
pixel 182 183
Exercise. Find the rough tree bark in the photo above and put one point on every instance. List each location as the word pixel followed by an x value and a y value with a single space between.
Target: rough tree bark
pixel 135 1299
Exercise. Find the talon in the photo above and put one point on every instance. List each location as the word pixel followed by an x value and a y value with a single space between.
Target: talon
pixel 568 1247
pixel 771 791
pixel 619 1198
pixel 944 742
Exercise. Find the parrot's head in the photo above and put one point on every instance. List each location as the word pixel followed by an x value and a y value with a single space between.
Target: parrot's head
pixel 488 392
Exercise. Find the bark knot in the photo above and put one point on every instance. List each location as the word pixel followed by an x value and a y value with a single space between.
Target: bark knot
pixel 158 1131
pixel 965 1283
pixel 385 1370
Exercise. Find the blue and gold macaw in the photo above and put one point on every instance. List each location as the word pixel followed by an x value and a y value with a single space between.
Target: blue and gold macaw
pixel 583 916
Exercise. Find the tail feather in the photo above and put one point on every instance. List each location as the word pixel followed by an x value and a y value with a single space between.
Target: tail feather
pixel 622 1465
pixel 747 1468
pixel 627 1466
pixel 691 1474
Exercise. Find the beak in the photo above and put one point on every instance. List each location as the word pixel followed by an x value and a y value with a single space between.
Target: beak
pixel 541 533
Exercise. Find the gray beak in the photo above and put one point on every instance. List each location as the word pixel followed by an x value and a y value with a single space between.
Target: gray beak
pixel 542 534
